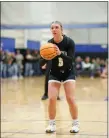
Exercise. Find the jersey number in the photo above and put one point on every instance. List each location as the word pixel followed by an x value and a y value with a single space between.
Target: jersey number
pixel 60 64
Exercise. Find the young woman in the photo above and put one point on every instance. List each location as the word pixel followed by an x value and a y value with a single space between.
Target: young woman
pixel 62 69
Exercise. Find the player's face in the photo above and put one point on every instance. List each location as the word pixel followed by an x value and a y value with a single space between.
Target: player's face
pixel 56 30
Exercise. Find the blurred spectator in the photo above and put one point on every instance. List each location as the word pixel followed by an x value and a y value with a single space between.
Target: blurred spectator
pixel 36 66
pixel 86 65
pixel 5 57
pixel 19 59
pixel 78 66
pixel 95 68
pixel 28 64
pixel 12 67
pixel 93 64
pixel 104 73
pixel 102 65
pixel 97 63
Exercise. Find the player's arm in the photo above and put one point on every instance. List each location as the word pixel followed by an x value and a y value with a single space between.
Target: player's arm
pixel 71 52
pixel 42 62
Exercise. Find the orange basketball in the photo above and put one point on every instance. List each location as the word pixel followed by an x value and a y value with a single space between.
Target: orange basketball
pixel 48 51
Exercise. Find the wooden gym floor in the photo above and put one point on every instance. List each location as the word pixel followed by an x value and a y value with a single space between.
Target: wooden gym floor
pixel 24 114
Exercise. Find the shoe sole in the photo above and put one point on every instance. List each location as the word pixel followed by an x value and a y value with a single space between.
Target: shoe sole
pixel 44 99
pixel 49 131
pixel 73 131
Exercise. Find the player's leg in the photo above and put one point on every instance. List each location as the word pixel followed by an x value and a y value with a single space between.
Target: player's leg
pixel 47 67
pixel 45 96
pixel 69 87
pixel 53 89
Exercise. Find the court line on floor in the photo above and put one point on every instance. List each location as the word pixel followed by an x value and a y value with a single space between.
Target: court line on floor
pixel 33 133
pixel 48 120
pixel 68 125
pixel 20 132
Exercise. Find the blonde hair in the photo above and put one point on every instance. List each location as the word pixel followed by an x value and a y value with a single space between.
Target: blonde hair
pixel 57 22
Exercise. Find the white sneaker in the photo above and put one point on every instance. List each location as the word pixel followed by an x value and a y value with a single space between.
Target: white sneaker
pixel 51 128
pixel 75 127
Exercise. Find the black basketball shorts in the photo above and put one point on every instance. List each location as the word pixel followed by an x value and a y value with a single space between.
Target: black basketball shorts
pixel 62 76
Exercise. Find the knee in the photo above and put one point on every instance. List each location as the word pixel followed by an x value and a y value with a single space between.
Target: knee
pixel 70 99
pixel 52 99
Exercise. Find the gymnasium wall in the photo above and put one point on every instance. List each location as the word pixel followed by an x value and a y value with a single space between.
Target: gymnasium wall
pixel 67 12
pixel 43 13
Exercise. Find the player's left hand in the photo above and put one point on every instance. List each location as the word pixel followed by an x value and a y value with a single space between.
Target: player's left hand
pixel 57 50
pixel 44 66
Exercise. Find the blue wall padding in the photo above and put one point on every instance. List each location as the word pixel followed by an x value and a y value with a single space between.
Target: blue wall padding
pixel 91 48
pixel 33 44
pixel 7 44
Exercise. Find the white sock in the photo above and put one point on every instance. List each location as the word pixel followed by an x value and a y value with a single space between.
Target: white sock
pixel 52 121
pixel 75 121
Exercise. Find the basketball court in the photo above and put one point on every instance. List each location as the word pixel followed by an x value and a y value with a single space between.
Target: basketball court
pixel 24 114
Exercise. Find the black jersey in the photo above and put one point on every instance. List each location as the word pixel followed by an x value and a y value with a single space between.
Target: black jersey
pixel 64 61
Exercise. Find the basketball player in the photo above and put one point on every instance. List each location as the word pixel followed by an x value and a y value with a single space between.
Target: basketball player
pixel 62 69
pixel 45 65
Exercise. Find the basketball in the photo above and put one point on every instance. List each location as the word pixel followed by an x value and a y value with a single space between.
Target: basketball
pixel 48 51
